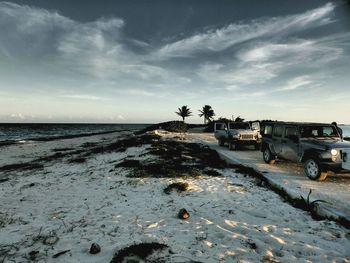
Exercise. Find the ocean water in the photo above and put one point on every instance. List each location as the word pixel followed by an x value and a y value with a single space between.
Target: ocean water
pixel 14 132
pixel 346 130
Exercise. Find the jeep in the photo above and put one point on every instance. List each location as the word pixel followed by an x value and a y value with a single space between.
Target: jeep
pixel 318 146
pixel 236 134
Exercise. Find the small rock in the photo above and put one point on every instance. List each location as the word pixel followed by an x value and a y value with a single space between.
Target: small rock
pixel 95 248
pixel 183 214
pixel 252 245
pixel 33 254
pixel 50 240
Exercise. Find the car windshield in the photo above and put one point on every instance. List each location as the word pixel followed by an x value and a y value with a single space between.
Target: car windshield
pixel 239 125
pixel 319 131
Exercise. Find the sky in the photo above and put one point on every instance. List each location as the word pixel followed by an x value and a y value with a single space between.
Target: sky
pixel 138 61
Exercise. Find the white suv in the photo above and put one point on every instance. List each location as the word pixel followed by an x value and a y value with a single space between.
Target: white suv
pixel 238 133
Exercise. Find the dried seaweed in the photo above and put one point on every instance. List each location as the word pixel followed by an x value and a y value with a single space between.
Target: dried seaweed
pixel 137 251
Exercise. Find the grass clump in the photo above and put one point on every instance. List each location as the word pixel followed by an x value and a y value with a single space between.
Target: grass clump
pixel 310 206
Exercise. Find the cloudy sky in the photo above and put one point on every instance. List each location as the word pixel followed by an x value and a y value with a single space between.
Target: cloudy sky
pixel 138 61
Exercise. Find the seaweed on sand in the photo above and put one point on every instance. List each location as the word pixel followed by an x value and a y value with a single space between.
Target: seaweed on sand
pixel 164 170
pixel 128 163
pixel 122 145
pixel 179 186
pixel 62 149
pixel 138 252
pixel 78 160
pixel 192 153
pixel 176 159
pixel 21 166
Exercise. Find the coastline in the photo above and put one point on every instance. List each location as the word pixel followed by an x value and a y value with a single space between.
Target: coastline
pixel 109 189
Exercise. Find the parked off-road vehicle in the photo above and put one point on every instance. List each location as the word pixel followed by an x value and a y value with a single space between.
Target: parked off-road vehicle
pixel 236 134
pixel 318 146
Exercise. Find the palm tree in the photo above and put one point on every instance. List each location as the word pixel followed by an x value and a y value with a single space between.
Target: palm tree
pixel 184 112
pixel 207 112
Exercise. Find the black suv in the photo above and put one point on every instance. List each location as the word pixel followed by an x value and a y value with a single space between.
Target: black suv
pixel 318 146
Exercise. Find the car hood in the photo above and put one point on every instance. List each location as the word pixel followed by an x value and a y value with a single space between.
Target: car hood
pixel 329 143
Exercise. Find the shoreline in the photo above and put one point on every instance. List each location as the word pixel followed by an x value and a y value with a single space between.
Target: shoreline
pixel 115 196
pixel 54 138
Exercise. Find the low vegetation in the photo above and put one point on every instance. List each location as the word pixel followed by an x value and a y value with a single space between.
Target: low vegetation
pixel 170 126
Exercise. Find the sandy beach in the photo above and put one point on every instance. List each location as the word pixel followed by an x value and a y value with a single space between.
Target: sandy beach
pixel 124 193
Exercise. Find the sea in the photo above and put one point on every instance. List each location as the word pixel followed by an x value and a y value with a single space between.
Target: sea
pixel 346 130
pixel 11 133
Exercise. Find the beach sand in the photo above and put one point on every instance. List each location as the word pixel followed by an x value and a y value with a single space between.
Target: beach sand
pixel 109 190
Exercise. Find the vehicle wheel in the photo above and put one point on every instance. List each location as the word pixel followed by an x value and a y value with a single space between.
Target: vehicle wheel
pixel 232 146
pixel 221 142
pixel 313 170
pixel 268 157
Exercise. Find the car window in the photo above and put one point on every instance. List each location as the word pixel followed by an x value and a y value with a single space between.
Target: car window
pixel 290 132
pixel 268 131
pixel 220 126
pixel 277 132
pixel 328 131
pixel 318 131
pixel 255 126
pixel 239 125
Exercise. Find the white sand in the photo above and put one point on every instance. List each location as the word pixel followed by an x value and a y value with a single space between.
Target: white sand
pixel 231 219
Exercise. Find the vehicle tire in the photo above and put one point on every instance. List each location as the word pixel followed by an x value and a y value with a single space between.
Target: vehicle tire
pixel 313 169
pixel 221 142
pixel 268 156
pixel 232 146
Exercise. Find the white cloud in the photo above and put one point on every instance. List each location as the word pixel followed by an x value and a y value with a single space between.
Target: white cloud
pixel 95 49
pixel 220 39
pixel 258 63
pixel 18 116
pixel 298 50
pixel 296 83
pixel 82 97
pixel 236 74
